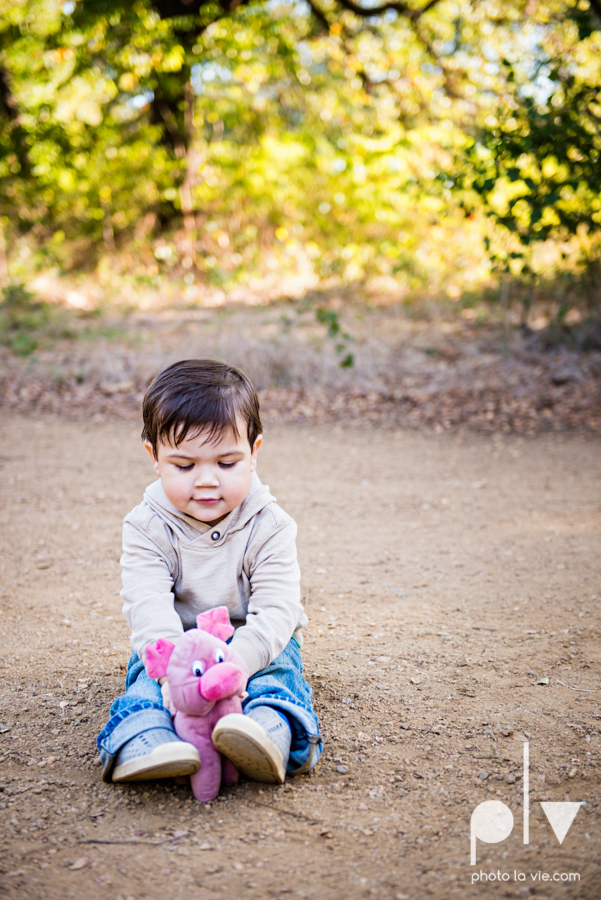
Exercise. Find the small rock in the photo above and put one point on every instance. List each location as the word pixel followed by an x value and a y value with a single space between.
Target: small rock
pixel 510 779
pixel 564 374
pixel 404 726
pixel 117 387
pixel 342 769
pixel 483 776
pixel 80 863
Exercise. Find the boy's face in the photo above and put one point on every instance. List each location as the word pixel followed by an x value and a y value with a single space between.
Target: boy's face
pixel 207 480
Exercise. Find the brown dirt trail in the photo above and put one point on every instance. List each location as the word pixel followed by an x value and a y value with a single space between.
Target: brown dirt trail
pixel 445 576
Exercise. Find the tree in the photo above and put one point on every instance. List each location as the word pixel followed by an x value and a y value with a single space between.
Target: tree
pixel 116 118
pixel 536 163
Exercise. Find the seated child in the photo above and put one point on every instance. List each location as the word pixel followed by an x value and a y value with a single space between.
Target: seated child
pixel 208 534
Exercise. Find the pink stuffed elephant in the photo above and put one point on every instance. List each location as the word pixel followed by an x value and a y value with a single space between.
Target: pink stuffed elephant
pixel 205 678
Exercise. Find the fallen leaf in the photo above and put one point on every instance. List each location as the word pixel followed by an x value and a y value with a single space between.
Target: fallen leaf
pixel 80 863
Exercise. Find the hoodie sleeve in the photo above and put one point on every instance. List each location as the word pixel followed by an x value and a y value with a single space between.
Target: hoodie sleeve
pixel 274 608
pixel 149 569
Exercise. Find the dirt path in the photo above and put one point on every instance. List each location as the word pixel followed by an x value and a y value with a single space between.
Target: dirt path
pixel 445 576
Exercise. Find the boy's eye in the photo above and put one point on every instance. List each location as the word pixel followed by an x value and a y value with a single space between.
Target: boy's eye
pixel 184 468
pixel 223 465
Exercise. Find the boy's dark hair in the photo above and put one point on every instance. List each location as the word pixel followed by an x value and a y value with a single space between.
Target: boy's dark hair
pixel 197 395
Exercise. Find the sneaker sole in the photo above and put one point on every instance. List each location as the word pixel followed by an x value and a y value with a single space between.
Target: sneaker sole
pixel 166 761
pixel 250 749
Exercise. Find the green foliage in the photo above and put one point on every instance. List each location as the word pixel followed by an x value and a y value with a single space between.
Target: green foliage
pixel 216 147
pixel 23 318
pixel 536 162
pixel 341 338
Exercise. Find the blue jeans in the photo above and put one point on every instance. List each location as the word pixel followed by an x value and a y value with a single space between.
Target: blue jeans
pixel 280 685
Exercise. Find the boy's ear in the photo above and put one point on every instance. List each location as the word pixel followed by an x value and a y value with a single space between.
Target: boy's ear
pixel 155 464
pixel 255 450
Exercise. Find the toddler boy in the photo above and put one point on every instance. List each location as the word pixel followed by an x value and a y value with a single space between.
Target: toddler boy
pixel 209 534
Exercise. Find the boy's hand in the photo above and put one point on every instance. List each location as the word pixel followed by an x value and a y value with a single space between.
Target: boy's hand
pixel 166 694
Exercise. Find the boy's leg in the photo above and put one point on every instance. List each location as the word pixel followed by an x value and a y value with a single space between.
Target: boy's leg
pixel 139 740
pixel 279 732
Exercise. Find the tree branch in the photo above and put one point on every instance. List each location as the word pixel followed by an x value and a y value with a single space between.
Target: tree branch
pixel 596 7
pixel 169 9
pixel 319 15
pixel 10 112
pixel 163 113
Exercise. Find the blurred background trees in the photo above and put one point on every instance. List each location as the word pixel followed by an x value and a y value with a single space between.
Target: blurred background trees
pixel 442 147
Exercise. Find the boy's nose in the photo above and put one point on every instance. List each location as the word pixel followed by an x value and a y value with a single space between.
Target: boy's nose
pixel 206 477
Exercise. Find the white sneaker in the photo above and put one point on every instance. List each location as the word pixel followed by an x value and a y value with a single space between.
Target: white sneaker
pixel 259 752
pixel 157 753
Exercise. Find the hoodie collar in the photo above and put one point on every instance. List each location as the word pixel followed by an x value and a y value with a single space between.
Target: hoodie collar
pixel 257 498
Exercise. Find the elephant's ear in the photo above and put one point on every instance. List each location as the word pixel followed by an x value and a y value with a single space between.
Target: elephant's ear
pixel 157 657
pixel 217 622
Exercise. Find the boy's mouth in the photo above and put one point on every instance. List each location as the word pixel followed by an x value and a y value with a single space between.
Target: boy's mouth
pixel 207 500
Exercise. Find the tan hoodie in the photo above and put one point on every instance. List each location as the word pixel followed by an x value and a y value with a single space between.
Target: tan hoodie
pixel 175 567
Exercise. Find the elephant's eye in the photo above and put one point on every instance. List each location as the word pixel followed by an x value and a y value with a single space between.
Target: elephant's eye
pixel 219 656
pixel 198 668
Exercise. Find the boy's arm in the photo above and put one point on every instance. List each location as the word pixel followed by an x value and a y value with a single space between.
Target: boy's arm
pixel 274 608
pixel 148 577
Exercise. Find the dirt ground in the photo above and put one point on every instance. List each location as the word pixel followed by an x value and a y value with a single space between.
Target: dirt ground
pixel 445 576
